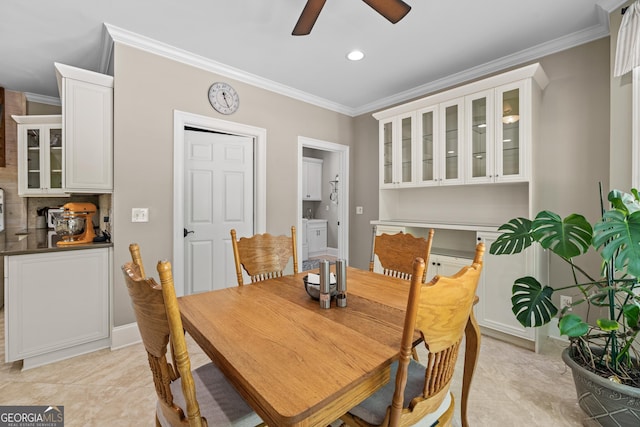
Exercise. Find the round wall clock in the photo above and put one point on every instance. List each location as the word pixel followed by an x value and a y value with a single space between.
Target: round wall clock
pixel 224 98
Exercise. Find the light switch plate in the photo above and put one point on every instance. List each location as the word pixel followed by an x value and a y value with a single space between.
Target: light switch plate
pixel 140 215
pixel 359 210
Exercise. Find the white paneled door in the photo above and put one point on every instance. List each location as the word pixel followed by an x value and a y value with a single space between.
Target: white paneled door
pixel 218 197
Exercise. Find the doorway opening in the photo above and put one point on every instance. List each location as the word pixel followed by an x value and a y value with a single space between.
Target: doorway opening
pixel 183 121
pixel 332 205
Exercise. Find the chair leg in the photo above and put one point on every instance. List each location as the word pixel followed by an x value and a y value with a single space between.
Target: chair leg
pixel 446 418
pixel 472 350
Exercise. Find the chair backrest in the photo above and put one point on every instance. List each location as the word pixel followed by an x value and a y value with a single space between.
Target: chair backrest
pixel 264 256
pixel 439 310
pixel 134 250
pixel 396 253
pixel 158 317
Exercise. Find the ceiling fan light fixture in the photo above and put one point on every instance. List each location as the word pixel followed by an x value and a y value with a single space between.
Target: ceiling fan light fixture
pixel 355 55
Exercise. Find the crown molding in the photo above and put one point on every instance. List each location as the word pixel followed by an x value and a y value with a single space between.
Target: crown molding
pixel 42 99
pixel 113 34
pixel 106 55
pixel 119 35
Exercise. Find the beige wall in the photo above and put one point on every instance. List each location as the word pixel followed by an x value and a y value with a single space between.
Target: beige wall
pixel 148 89
pixel 36 108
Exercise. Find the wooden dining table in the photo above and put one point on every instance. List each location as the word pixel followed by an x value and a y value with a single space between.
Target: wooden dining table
pixel 295 363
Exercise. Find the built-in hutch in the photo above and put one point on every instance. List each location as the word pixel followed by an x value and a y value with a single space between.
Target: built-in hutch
pixel 460 162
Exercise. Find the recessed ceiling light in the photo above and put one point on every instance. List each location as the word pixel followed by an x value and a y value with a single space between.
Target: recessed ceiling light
pixel 355 55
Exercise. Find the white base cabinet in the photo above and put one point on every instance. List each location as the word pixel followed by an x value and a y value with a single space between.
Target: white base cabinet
pixel 443 265
pixel 317 237
pixel 56 305
pixel 499 272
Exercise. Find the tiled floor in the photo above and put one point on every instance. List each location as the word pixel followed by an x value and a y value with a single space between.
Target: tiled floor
pixel 512 387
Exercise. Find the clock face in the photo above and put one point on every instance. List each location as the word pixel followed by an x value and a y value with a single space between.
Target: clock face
pixel 224 98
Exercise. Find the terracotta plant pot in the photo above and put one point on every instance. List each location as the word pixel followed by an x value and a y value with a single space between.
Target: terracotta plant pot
pixel 605 402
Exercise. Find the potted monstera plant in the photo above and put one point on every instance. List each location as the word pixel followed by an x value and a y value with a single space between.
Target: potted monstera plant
pixel 603 350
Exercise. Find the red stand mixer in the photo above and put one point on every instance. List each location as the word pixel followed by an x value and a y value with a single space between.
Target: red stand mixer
pixel 75 223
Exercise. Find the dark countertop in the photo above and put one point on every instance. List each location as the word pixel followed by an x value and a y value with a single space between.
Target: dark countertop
pixel 20 242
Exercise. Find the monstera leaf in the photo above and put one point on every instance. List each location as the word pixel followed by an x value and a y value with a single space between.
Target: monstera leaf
pixel 627 202
pixel 572 325
pixel 515 238
pixel 531 303
pixel 567 237
pixel 617 237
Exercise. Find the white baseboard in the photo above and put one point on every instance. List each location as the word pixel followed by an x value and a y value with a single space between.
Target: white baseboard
pixel 554 331
pixel 125 335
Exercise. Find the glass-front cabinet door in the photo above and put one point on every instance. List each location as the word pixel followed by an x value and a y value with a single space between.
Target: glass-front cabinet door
pixel 510 144
pixel 479 155
pixel 397 151
pixel 452 133
pixel 406 149
pixel 386 153
pixel 40 154
pixel 55 158
pixel 34 154
pixel 427 146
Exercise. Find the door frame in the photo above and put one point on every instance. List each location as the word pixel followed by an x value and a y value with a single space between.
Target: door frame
pixel 259 135
pixel 343 205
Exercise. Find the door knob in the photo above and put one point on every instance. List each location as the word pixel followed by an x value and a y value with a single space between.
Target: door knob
pixel 187 232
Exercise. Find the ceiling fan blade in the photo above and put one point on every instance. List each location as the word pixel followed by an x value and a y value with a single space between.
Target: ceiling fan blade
pixel 308 17
pixel 393 10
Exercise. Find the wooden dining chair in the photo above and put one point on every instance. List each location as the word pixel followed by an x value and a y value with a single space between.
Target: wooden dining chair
pixel 209 399
pixel 396 253
pixel 419 393
pixel 264 256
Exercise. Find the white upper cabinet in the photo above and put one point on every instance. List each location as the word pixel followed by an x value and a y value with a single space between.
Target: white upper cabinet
pixel 397 151
pixel 40 154
pixel 514 128
pixel 311 179
pixel 500 122
pixel 472 134
pixel 87 115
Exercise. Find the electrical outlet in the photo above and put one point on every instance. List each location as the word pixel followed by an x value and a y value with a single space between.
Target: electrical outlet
pixel 565 301
pixel 140 215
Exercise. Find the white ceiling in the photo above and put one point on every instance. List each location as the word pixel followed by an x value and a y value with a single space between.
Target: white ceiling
pixel 437 44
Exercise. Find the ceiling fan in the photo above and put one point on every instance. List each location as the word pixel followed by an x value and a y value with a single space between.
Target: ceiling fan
pixel 393 10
